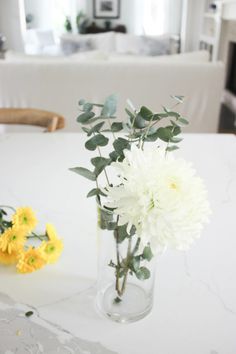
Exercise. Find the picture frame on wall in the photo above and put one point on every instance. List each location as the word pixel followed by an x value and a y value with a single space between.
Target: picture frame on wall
pixel 106 9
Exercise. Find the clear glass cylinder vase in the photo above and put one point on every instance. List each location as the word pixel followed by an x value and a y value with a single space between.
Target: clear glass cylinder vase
pixel 126 271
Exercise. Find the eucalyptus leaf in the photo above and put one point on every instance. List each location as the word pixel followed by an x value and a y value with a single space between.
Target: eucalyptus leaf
pixel 91 121
pixel 86 130
pixel 116 127
pixel 85 117
pixel 183 121
pixel 147 253
pixel 134 264
pixel 164 134
pixel 95 141
pixel 100 163
pixel 82 102
pixel 179 99
pixel 114 155
pixel 120 144
pixel 143 273
pixel 84 172
pixel 130 114
pixel 95 192
pixel 145 113
pixel 172 148
pixel 139 122
pixel 175 140
pixel 120 233
pixel 96 128
pixel 109 108
pixel 87 107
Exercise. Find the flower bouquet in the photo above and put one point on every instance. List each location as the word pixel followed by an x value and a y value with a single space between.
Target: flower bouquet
pixel 148 200
pixel 18 241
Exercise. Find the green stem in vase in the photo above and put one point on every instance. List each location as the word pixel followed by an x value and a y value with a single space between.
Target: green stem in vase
pixel 127 266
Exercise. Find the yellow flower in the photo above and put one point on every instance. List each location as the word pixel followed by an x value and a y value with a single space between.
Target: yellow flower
pixel 51 232
pixel 52 250
pixel 30 260
pixel 12 240
pixel 25 217
pixel 6 258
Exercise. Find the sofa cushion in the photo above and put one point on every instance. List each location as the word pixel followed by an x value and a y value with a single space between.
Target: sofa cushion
pixel 201 56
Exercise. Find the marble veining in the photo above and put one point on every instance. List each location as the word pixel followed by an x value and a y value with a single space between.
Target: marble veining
pixel 35 335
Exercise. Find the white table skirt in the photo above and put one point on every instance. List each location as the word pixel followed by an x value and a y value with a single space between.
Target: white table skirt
pixel 195 297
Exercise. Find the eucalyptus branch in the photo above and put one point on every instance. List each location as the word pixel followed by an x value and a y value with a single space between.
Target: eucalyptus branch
pixel 8 207
pixel 113 134
pixel 99 151
pixel 127 265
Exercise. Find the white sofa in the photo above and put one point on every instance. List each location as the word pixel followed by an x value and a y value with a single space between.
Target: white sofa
pixel 57 85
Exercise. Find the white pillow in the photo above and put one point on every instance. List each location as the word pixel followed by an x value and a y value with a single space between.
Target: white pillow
pixel 128 43
pixel 104 42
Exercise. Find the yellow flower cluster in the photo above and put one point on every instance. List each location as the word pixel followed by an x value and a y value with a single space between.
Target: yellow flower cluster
pixel 13 248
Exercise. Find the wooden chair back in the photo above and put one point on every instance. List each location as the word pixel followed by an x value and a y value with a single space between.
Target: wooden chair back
pixel 50 120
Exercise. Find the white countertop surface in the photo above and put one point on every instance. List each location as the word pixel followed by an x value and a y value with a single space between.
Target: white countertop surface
pixel 195 297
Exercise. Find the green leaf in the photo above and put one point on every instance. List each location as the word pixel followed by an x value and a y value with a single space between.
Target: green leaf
pixel 105 219
pixel 91 121
pixel 109 108
pixel 175 140
pixel 161 115
pixel 179 99
pixel 95 141
pixel 130 114
pixel 171 113
pixel 139 122
pixel 151 137
pixel 134 264
pixel 174 123
pixel 176 130
pixel 96 128
pixel 172 148
pixel 165 134
pixel 116 127
pixel 147 253
pixel 86 130
pixel 100 163
pixel 120 233
pixel 120 144
pixel 145 113
pixel 143 273
pixel 183 121
pixel 114 155
pixel 95 192
pixel 84 172
pixel 82 102
pixel 87 107
pixel 85 117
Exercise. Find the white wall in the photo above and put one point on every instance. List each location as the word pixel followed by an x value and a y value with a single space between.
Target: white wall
pixel 191 24
pixel 127 18
pixel 12 23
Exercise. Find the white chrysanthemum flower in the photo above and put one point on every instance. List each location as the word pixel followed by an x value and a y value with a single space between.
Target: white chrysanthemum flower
pixel 161 197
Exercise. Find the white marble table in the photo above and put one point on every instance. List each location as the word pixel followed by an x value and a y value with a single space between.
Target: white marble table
pixel 195 295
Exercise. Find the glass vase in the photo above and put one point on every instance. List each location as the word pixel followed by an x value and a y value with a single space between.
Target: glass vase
pixel 126 271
